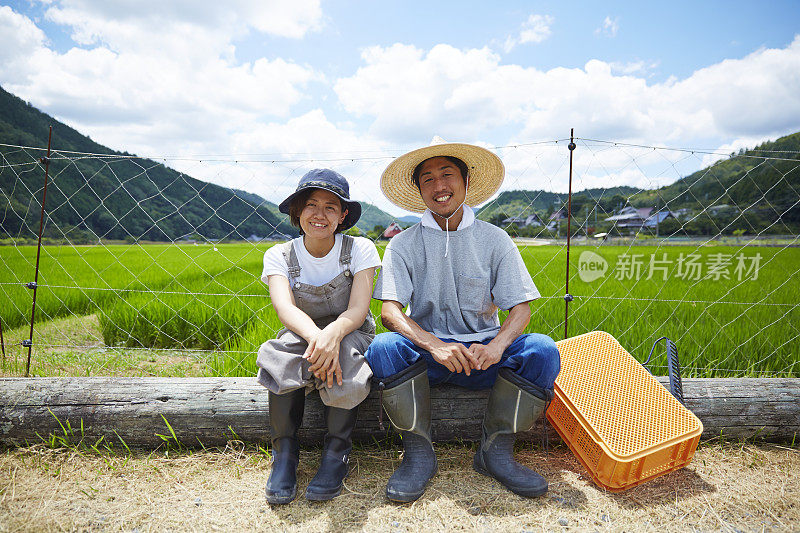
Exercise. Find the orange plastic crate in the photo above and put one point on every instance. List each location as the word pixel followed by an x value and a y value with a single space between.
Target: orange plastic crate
pixel 617 419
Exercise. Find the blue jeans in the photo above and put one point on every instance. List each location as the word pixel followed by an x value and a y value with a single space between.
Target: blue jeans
pixel 534 357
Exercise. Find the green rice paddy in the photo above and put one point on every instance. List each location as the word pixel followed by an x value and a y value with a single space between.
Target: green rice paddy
pixel 732 310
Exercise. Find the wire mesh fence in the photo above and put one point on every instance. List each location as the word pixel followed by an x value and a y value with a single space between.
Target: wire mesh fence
pixel 151 266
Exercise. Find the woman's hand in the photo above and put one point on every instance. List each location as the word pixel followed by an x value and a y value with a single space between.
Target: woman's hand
pixel 323 353
pixel 323 348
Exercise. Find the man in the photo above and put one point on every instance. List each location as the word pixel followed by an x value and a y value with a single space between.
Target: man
pixel 455 272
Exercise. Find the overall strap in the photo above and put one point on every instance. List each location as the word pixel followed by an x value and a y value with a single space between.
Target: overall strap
pixel 346 255
pixel 292 263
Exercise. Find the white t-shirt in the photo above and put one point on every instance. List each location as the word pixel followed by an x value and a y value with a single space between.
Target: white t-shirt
pixel 320 270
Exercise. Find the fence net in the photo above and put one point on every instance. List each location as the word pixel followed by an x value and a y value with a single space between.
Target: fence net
pixel 151 266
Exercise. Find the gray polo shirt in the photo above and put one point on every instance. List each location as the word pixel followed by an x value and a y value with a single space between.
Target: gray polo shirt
pixel 457 296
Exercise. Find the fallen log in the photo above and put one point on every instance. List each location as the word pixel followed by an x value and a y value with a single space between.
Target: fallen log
pixel 212 411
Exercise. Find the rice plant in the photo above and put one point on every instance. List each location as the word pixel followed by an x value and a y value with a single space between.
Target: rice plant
pixel 211 298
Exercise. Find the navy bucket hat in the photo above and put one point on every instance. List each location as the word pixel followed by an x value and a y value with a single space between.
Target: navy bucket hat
pixel 329 180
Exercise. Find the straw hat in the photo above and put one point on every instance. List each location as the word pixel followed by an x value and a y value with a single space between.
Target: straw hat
pixel 485 171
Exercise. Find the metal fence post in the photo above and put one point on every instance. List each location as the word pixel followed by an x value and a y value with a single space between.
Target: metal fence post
pixel 567 295
pixel 2 342
pixel 32 285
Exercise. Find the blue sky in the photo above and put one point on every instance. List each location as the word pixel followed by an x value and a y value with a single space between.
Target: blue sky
pixel 680 36
pixel 309 78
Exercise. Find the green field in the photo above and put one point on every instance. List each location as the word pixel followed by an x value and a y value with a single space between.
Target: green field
pixel 210 299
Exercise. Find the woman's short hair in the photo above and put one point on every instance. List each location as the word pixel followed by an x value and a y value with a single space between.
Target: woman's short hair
pixel 299 202
pixel 456 161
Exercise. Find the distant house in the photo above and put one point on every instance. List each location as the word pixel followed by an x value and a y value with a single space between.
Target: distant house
pixel 555 219
pixel 723 208
pixel 392 230
pixel 639 217
pixel 531 220
pixel 657 218
pixel 682 212
pixel 278 236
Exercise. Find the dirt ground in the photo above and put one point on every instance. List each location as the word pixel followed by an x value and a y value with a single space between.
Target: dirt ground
pixel 728 487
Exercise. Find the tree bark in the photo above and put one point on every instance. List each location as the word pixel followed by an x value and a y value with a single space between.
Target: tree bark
pixel 211 411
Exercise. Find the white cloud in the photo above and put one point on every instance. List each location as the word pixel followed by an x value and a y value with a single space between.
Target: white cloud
pixel 167 85
pixel 161 80
pixel 411 94
pixel 609 28
pixel 158 78
pixel 535 30
pixel 272 156
pixel 724 151
pixel 310 141
pixel 640 67
pixel 21 43
pixel 122 23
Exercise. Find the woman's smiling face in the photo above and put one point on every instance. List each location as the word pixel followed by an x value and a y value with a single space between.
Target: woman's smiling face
pixel 322 214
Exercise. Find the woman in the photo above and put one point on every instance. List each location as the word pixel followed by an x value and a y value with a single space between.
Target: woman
pixel 320 285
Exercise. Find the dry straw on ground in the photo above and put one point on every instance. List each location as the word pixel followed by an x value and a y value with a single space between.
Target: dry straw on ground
pixel 727 487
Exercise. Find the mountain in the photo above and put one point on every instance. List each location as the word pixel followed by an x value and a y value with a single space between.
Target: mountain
pixel 115 195
pixel 118 196
pixel 409 219
pixel 521 204
pixel 371 215
pixel 767 174
pixel 111 195
pixel 754 191
pixel 256 199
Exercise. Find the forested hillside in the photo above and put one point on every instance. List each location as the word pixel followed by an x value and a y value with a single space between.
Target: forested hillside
pixel 117 196
pixel 113 195
pixel 761 186
pixel 752 191
pixel 543 203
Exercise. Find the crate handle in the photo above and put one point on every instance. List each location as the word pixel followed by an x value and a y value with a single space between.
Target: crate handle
pixel 673 367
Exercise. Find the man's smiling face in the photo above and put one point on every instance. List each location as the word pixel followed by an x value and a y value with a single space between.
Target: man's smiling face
pixel 442 186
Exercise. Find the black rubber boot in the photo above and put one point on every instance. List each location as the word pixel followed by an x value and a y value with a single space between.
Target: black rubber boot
pixel 407 401
pixel 285 417
pixel 333 468
pixel 514 405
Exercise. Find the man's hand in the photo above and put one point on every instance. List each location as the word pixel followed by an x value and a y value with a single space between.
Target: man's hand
pixel 323 353
pixel 455 356
pixel 485 355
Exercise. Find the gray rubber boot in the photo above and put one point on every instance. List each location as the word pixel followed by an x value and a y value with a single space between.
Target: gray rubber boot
pixel 514 405
pixel 285 417
pixel 334 466
pixel 407 401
